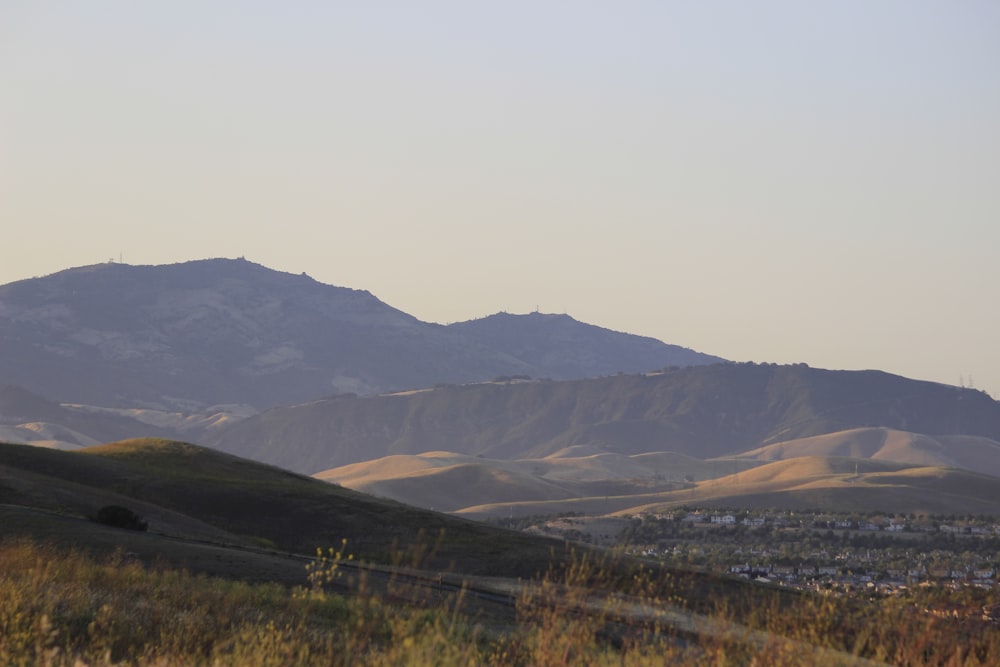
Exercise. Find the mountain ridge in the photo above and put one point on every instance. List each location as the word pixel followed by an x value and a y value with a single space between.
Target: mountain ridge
pixel 703 411
pixel 570 344
pixel 228 331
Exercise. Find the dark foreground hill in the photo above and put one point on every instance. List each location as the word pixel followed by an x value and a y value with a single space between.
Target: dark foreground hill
pixel 189 493
pixel 197 334
pixel 704 412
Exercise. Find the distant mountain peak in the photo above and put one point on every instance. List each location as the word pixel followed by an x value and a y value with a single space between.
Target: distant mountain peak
pixel 535 314
pixel 557 343
pixel 224 330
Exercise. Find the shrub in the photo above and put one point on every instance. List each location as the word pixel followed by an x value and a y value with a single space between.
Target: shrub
pixel 120 517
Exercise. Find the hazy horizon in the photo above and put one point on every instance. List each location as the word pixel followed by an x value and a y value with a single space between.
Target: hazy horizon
pixel 777 182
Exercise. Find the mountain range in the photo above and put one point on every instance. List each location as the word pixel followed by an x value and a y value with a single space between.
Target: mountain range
pixel 527 413
pixel 720 410
pixel 203 333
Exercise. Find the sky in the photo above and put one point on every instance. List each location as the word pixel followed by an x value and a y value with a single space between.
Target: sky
pixel 766 181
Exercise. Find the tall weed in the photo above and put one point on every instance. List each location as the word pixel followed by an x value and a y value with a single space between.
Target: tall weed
pixel 64 608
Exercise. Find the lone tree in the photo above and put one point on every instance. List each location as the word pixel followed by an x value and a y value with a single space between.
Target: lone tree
pixel 120 517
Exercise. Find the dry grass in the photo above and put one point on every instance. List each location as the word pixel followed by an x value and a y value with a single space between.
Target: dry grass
pixel 805 483
pixel 61 608
pixel 619 484
pixel 454 482
pixel 969 452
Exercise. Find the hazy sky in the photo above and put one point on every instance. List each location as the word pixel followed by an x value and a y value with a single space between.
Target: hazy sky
pixel 766 181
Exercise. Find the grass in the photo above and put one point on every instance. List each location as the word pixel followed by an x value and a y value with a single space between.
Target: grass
pixel 832 483
pixel 64 607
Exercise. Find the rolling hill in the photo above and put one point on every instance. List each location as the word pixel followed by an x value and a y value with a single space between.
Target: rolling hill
pixel 188 493
pixel 808 483
pixel 614 484
pixel 451 482
pixel 846 484
pixel 28 418
pixel 974 453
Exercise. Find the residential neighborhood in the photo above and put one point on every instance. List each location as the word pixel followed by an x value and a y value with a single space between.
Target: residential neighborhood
pixel 876 553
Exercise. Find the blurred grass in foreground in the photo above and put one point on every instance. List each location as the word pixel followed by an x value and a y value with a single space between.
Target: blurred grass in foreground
pixel 62 607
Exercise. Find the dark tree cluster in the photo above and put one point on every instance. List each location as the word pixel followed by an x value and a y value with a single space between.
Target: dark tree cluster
pixel 120 517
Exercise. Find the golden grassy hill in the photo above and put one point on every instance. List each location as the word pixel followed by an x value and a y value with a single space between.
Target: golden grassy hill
pixel 847 484
pixel 805 483
pixel 453 482
pixel 961 451
pixel 600 484
pixel 451 488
